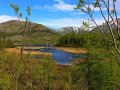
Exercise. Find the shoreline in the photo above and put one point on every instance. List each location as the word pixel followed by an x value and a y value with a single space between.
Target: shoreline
pixel 17 51
pixel 66 49
pixel 72 50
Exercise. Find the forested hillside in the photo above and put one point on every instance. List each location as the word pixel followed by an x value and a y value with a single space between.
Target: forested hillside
pixel 36 57
pixel 38 32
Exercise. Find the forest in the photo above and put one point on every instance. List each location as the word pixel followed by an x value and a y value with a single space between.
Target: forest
pixel 25 63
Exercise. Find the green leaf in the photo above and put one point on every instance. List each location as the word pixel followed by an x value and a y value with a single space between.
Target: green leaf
pixel 83 10
pixel 20 14
pixel 16 8
pixel 96 4
pixel 113 11
pixel 85 24
pixel 28 10
pixel 89 9
pixel 11 5
pixel 81 1
pixel 77 7
pixel 80 4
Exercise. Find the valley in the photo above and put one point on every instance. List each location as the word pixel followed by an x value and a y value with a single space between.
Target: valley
pixel 60 45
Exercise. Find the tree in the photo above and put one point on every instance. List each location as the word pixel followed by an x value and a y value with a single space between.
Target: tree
pixel 88 7
pixel 23 28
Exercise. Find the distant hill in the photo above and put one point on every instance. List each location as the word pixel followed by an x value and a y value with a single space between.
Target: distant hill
pixel 14 26
pixel 104 27
pixel 65 30
pixel 39 32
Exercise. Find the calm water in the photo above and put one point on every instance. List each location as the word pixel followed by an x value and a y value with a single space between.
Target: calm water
pixel 34 45
pixel 60 56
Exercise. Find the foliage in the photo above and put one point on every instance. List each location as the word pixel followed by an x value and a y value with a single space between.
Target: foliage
pixel 111 21
pixel 5 42
pixel 98 71
pixel 85 40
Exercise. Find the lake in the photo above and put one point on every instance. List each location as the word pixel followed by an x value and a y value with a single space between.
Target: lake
pixel 62 57
pixel 34 45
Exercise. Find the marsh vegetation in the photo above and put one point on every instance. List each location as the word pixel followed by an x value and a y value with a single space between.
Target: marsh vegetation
pixel 94 55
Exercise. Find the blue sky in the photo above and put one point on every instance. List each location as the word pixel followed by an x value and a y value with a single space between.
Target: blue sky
pixel 52 13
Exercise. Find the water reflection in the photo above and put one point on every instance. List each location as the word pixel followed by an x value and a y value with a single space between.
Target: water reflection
pixel 62 57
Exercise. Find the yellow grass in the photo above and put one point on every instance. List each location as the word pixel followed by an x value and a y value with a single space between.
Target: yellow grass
pixel 72 50
pixel 17 51
pixel 67 49
pixel 31 47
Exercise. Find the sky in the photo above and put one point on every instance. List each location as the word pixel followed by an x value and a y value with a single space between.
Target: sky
pixel 51 13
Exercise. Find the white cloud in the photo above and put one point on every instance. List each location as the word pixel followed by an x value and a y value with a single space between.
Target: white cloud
pixel 96 9
pixel 61 5
pixel 65 22
pixel 4 18
pixel 99 21
pixel 117 3
pixel 79 13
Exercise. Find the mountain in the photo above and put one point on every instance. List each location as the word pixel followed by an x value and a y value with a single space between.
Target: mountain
pixel 39 33
pixel 104 27
pixel 14 26
pixel 65 30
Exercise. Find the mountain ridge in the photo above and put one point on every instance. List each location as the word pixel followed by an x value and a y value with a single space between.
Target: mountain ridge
pixel 104 27
pixel 39 33
pixel 69 29
pixel 14 26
